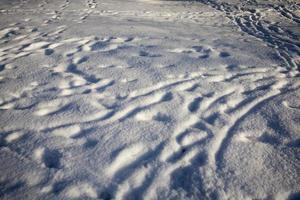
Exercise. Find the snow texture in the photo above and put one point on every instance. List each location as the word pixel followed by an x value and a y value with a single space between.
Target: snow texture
pixel 149 99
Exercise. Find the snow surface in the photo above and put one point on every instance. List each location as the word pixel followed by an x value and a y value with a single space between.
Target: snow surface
pixel 149 99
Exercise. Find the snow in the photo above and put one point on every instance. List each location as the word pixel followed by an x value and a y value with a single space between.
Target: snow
pixel 149 99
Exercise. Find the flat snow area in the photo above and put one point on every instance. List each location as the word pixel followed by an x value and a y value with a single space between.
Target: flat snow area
pixel 149 99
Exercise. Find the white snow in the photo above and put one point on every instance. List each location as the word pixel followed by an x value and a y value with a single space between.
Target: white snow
pixel 150 99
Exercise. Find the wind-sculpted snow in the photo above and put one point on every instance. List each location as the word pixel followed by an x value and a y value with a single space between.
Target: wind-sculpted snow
pixel 149 100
